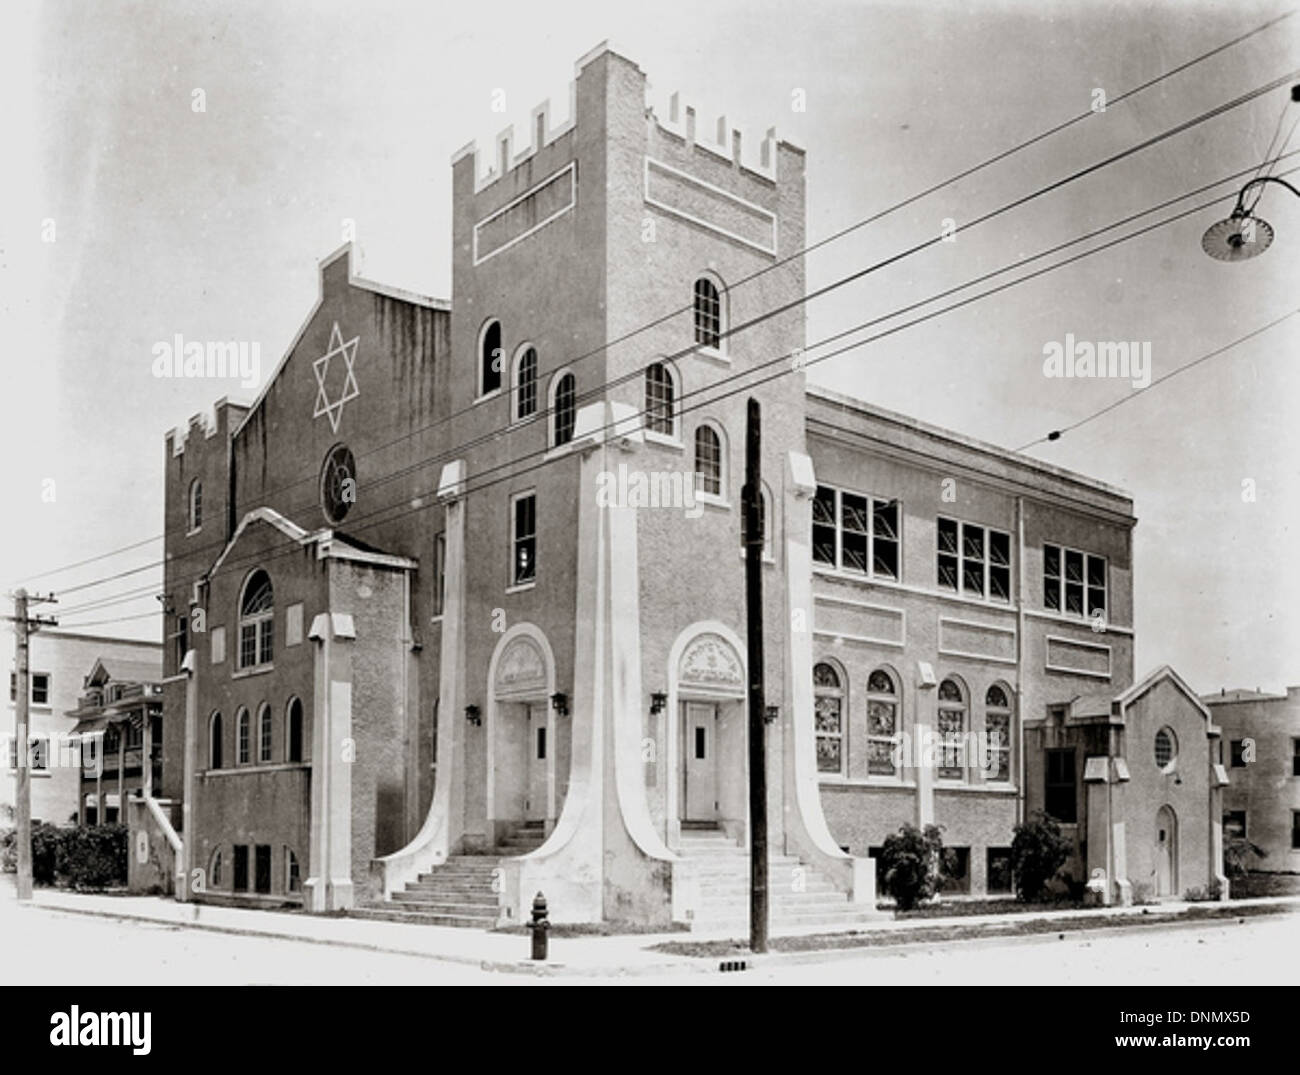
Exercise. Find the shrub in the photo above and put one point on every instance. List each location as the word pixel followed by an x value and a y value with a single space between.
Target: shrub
pixel 45 852
pixel 94 856
pixel 1038 851
pixel 910 860
pixel 8 851
pixel 1237 855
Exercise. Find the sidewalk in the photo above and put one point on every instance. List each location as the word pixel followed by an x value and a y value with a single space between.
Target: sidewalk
pixel 589 956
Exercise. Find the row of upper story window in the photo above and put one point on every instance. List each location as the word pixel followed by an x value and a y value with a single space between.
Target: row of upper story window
pixel 861 535
pixel 957 750
pixel 521 374
pixel 262 750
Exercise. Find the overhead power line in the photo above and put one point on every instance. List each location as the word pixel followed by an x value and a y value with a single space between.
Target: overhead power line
pixel 855 226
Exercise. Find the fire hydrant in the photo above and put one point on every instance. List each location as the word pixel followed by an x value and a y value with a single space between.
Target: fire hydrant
pixel 539 926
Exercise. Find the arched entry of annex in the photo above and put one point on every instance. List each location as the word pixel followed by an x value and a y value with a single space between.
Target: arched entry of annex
pixel 704 733
pixel 527 764
pixel 1166 852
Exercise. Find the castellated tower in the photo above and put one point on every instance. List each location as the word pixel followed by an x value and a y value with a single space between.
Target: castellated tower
pixel 600 648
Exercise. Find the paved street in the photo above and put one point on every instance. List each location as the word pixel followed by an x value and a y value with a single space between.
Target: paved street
pixel 42 946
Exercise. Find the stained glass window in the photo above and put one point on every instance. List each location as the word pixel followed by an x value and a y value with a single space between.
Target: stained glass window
pixel 882 724
pixel 828 716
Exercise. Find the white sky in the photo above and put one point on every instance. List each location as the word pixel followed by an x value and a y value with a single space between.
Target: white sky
pixel 211 225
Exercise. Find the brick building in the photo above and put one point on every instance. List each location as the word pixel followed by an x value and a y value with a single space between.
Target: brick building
pixel 459 599
pixel 1261 750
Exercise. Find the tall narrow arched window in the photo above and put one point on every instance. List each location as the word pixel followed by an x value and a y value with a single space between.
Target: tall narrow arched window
pixel 526 383
pixel 882 723
pixel 214 741
pixel 660 400
pixel 828 693
pixel 294 746
pixel 264 746
pixel 997 733
pixel 952 731
pixel 564 409
pixel 214 869
pixel 490 358
pixel 243 742
pixel 708 461
pixel 708 314
pixel 256 621
pixel 292 878
pixel 196 505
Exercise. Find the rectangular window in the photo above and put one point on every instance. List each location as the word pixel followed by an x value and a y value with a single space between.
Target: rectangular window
pixel 40 755
pixel 247 645
pixel 999 869
pixel 954 873
pixel 292 878
pixel 262 869
pixel 856 533
pixel 524 539
pixel 1059 792
pixel 241 867
pixel 1295 757
pixel 1074 582
pixel 1238 752
pixel 265 633
pixel 997 738
pixel 40 688
pixel 952 731
pixel 699 744
pixel 1234 824
pixel 1295 830
pixel 541 744
pixel 973 560
pixel 182 638
pixel 439 572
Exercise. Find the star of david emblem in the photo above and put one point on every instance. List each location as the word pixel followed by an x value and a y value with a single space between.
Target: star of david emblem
pixel 348 352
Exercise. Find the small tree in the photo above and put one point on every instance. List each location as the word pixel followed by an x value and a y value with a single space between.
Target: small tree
pixel 910 861
pixel 1038 850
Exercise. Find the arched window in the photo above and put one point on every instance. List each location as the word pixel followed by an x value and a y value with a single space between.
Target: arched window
pixel 660 400
pixel 292 878
pixel 997 733
pixel 829 715
pixel 196 505
pixel 882 723
pixel 264 734
pixel 708 314
pixel 525 383
pixel 564 408
pixel 214 869
pixel 952 731
pixel 214 741
pixel 490 358
pixel 256 621
pixel 243 746
pixel 708 461
pixel 294 746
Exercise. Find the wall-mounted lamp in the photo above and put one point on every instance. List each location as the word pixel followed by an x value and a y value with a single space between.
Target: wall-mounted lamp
pixel 560 703
pixel 657 702
pixel 771 714
pixel 472 715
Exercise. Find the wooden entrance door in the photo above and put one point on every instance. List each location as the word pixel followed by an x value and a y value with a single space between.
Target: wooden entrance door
pixel 536 747
pixel 700 762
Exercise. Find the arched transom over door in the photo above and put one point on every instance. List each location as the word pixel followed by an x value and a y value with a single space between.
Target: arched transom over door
pixel 521 672
pixel 711 666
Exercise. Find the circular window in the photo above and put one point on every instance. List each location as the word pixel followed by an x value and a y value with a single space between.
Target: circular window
pixel 1166 749
pixel 338 484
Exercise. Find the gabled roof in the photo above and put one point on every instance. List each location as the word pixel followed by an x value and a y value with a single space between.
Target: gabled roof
pixel 123 670
pixel 1164 672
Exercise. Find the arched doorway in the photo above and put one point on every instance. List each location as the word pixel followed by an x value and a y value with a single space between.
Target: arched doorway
pixel 521 732
pixel 708 757
pixel 1166 852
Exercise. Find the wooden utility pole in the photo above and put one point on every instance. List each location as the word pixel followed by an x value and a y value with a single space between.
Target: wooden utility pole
pixel 753 509
pixel 23 627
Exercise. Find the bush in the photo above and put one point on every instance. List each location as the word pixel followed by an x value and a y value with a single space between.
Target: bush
pixel 94 856
pixel 89 857
pixel 910 860
pixel 1237 856
pixel 1038 851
